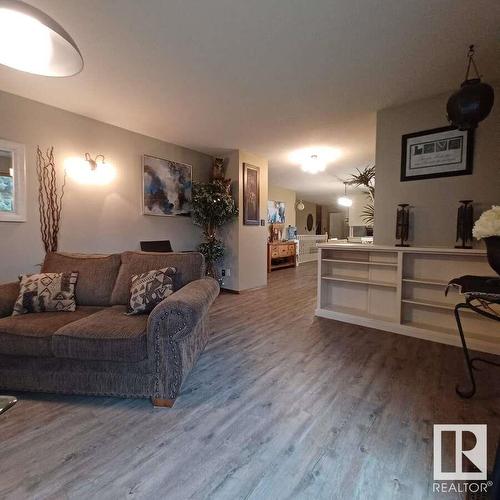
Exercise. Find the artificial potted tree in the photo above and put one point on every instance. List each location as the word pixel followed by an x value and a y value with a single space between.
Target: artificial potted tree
pixel 213 207
pixel 366 179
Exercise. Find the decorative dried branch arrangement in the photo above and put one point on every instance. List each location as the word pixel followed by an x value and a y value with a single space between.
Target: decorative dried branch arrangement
pixel 49 198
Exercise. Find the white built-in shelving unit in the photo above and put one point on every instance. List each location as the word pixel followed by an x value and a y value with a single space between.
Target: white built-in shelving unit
pixel 401 290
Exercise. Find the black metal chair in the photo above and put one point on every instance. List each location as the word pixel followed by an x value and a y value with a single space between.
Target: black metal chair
pixel 156 246
pixel 480 292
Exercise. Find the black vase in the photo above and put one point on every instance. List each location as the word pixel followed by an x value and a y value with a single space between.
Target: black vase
pixel 493 250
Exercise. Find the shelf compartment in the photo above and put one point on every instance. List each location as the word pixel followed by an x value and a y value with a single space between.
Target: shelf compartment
pixel 425 282
pixel 362 262
pixel 361 281
pixel 358 312
pixel 435 305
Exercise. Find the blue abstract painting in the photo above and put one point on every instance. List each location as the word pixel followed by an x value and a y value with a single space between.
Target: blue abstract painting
pixel 6 194
pixel 167 187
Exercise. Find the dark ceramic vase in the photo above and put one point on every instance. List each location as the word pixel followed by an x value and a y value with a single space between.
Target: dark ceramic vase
pixel 493 249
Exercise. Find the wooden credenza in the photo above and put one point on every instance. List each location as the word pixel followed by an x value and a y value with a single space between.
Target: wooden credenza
pixel 281 254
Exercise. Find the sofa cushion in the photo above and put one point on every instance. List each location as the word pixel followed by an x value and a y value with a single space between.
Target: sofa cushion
pixel 46 292
pixel 108 335
pixel 189 265
pixel 30 334
pixel 149 289
pixel 96 274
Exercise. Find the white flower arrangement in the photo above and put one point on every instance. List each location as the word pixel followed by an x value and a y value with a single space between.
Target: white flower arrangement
pixel 488 224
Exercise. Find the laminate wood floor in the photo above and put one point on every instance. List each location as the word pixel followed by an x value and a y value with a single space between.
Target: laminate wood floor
pixel 280 405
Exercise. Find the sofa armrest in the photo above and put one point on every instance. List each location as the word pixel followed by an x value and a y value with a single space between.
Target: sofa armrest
pixel 8 296
pixel 177 334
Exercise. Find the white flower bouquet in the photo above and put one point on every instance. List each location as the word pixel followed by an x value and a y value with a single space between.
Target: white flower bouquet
pixel 488 224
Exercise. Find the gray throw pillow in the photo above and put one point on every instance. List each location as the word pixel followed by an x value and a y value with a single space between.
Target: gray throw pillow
pixel 148 289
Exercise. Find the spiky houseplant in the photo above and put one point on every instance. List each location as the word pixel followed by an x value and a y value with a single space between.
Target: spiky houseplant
pixel 366 179
pixel 213 207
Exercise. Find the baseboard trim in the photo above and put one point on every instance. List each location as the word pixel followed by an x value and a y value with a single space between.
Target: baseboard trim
pixel 410 331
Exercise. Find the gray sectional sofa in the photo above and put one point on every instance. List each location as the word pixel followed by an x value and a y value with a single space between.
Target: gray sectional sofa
pixel 98 350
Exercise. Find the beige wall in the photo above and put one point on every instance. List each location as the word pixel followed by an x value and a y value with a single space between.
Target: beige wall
pixel 95 219
pixel 301 218
pixel 287 196
pixel 246 246
pixel 435 201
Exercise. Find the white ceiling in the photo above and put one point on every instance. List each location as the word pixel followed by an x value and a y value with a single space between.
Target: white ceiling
pixel 267 76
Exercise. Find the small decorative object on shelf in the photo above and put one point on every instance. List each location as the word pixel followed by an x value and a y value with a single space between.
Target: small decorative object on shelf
pixel 403 224
pixel 465 218
pixel 487 227
pixel 472 103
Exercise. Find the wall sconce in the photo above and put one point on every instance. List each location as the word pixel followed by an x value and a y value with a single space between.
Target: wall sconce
pixel 88 170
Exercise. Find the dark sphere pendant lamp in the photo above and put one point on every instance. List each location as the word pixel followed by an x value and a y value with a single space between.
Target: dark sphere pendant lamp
pixel 33 42
pixel 472 103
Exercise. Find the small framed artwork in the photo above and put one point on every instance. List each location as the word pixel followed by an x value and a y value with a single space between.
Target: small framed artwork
pixel 275 212
pixel 251 199
pixel 440 152
pixel 167 187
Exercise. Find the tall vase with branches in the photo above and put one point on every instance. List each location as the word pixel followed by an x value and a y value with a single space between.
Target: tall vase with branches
pixel 50 198
pixel 365 179
pixel 213 207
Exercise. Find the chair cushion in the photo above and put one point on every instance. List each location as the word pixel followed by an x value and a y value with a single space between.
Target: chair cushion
pixel 108 335
pixel 189 265
pixel 96 274
pixel 30 334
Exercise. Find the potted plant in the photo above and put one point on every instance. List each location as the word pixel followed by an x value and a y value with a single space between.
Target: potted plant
pixel 366 179
pixel 213 207
pixel 487 227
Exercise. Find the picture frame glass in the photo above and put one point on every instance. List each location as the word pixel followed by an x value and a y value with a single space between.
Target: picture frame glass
pixel 276 212
pixel 12 182
pixel 441 152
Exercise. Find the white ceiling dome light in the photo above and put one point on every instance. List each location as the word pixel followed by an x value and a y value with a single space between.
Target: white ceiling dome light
pixel 313 165
pixel 33 42
pixel 344 201
pixel 315 159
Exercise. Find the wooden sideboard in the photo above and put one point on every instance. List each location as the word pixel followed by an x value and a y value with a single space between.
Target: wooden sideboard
pixel 281 254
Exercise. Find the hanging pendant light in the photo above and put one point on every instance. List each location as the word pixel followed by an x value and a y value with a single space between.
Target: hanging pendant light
pixel 33 42
pixel 344 201
pixel 472 103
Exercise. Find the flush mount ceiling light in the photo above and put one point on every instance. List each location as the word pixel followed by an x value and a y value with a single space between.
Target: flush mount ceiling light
pixel 344 201
pixel 314 159
pixel 33 42
pixel 313 165
pixel 472 103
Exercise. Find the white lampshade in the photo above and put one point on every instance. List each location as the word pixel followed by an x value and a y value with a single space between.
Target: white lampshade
pixel 33 42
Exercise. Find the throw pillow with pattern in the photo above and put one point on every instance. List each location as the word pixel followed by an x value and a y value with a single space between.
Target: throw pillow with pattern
pixel 149 289
pixel 46 292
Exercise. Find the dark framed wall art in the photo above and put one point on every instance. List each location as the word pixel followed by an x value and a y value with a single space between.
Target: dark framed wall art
pixel 251 199
pixel 440 152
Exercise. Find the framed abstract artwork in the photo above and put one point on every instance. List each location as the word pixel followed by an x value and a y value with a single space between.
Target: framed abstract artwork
pixel 275 212
pixel 440 152
pixel 251 199
pixel 167 187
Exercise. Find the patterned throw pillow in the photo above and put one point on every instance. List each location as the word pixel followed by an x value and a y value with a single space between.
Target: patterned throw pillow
pixel 149 289
pixel 46 292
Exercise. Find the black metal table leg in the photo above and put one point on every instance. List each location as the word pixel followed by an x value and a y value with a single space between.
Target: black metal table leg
pixel 470 368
